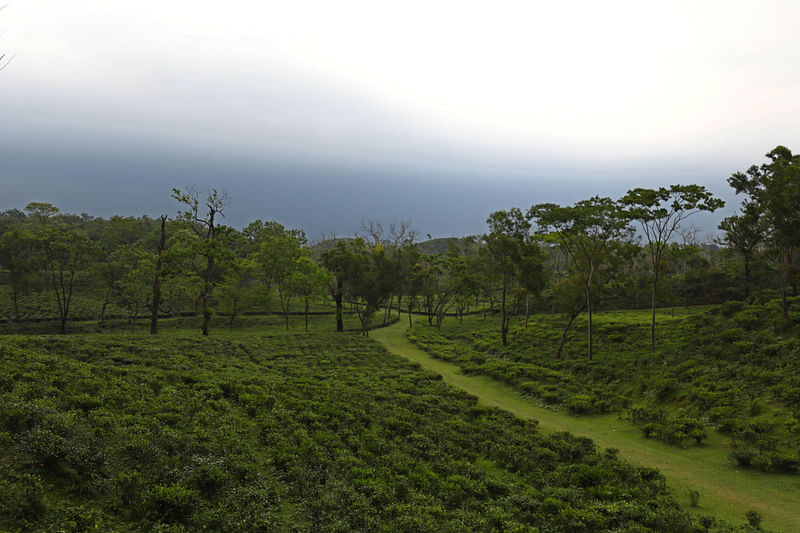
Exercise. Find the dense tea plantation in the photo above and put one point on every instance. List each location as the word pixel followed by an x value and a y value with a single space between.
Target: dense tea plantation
pixel 286 431
pixel 734 368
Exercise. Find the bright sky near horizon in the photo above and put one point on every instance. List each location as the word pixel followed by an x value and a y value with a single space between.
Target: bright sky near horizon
pixel 588 96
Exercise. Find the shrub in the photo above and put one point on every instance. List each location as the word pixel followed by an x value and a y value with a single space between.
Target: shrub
pixel 694 498
pixel 23 497
pixel 650 430
pixel 743 456
pixel 170 504
pixel 581 404
pixel 753 518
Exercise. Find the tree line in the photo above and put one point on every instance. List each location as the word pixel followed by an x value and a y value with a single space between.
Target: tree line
pixel 598 253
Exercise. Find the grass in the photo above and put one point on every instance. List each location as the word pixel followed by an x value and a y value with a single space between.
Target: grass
pixel 725 492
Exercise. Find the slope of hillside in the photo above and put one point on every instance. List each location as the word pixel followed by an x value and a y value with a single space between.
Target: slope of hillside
pixel 278 431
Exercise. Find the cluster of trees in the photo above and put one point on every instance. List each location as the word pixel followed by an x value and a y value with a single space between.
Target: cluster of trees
pixel 768 227
pixel 632 252
pixel 167 266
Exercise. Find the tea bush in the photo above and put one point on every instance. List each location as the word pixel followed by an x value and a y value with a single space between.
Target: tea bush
pixel 721 367
pixel 287 431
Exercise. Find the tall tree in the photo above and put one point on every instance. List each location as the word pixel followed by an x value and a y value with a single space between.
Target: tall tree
pixel 201 219
pixel 659 213
pixel 514 257
pixel 276 257
pixel 363 270
pixel 775 188
pixel 155 302
pixel 436 286
pixel 17 248
pixel 135 270
pixel 584 231
pixel 336 260
pixel 744 233
pixel 307 280
pixel 66 255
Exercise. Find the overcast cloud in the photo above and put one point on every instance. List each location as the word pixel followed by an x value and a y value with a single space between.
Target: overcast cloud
pixel 321 114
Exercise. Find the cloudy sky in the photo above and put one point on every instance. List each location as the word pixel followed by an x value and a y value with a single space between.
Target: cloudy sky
pixel 324 114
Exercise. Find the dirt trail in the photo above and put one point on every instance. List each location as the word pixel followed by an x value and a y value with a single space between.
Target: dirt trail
pixel 725 492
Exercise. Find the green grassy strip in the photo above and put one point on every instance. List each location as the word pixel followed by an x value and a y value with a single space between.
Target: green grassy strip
pixel 726 492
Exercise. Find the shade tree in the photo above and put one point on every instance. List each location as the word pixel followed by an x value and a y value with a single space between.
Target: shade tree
pixel 659 214
pixel 275 258
pixel 65 256
pixel 17 257
pixel 773 189
pixel 200 245
pixel 745 233
pixel 584 231
pixel 514 258
pixel 308 280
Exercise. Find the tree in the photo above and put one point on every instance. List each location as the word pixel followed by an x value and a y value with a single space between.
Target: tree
pixel 336 261
pixel 435 287
pixel 660 213
pixel 66 254
pixel 363 271
pixel 135 270
pixel 464 281
pixel 202 223
pixel 276 257
pixel 514 257
pixel 774 188
pixel 17 249
pixel 399 237
pixel 413 279
pixel 584 232
pixel 744 233
pixel 155 302
pixel 43 212
pixel 307 280
pixel 569 292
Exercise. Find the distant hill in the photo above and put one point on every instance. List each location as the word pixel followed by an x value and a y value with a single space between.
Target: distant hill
pixel 443 244
pixel 430 247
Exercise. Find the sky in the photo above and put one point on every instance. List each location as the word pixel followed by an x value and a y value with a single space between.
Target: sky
pixel 324 114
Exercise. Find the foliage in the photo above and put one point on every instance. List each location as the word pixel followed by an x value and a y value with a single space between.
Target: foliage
pixel 584 232
pixel 660 213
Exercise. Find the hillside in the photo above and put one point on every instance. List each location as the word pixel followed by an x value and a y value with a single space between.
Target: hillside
pixel 731 368
pixel 264 430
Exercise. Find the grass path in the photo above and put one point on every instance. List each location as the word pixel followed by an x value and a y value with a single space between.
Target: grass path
pixel 725 491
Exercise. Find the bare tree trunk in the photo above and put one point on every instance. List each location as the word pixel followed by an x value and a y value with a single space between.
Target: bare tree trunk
pixel 746 276
pixel 15 296
pixel 388 313
pixel 157 278
pixel 784 266
pixel 653 317
pixel 504 324
pixel 339 312
pixel 589 310
pixel 206 308
pixel 233 313
pixel 563 340
pixel 527 308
